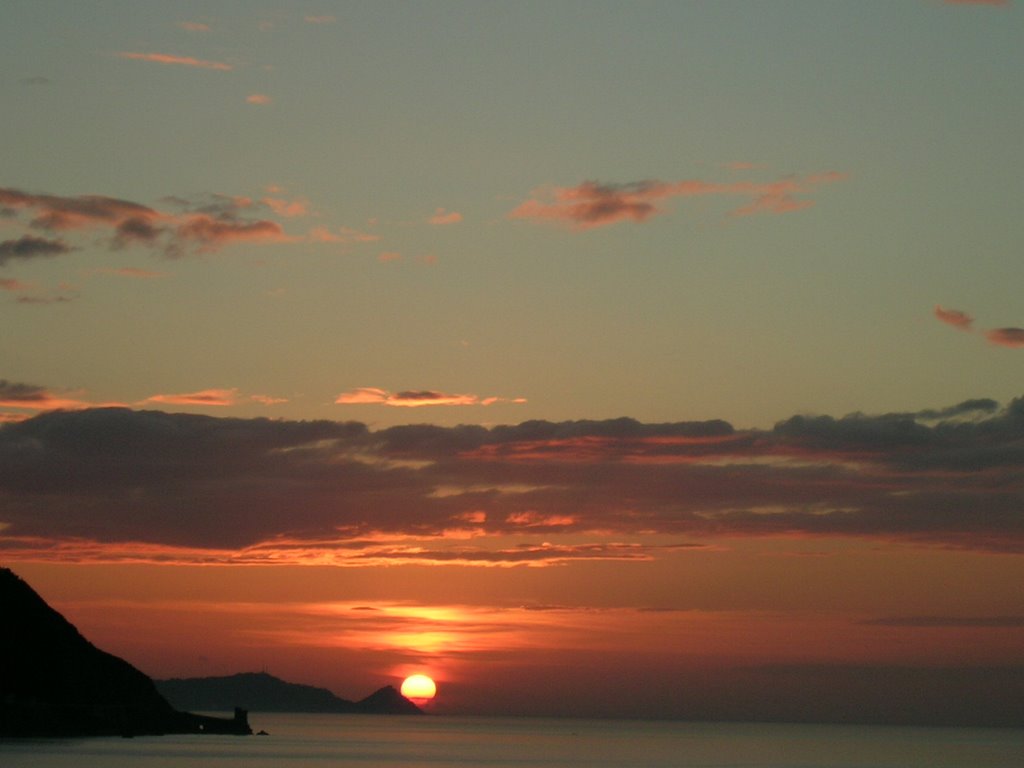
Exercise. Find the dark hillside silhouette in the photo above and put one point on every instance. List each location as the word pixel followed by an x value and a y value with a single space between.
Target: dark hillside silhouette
pixel 260 692
pixel 54 682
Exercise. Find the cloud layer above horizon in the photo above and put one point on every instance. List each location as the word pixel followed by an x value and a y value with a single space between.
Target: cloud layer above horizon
pixel 116 484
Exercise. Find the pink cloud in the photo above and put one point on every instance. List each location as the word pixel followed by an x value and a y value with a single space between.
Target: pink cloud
pixel 591 204
pixel 954 317
pixel 342 235
pixel 1003 337
pixel 268 400
pixel 35 398
pixel 211 232
pixel 386 256
pixel 414 398
pixel 287 208
pixel 258 98
pixel 186 61
pixel 1006 337
pixel 214 397
pixel 9 284
pixel 441 217
pixel 194 26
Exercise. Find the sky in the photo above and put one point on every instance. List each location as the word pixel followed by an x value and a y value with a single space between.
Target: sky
pixel 655 359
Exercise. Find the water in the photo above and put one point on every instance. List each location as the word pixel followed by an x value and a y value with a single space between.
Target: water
pixel 308 741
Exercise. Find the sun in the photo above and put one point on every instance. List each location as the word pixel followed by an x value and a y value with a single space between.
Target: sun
pixel 418 688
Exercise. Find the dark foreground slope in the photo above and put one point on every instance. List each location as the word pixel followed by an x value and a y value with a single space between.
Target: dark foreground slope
pixel 260 692
pixel 54 682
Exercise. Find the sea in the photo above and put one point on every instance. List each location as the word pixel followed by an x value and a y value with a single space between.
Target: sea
pixel 436 741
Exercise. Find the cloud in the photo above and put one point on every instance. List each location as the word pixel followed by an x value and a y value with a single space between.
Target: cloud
pixel 147 484
pixel 32 397
pixel 1003 337
pixel 31 247
pixel 211 232
pixel 193 26
pixel 214 397
pixel 8 284
pixel 185 61
pixel 56 213
pixel 414 398
pixel 954 317
pixel 1006 337
pixel 268 399
pixel 258 98
pixel 442 217
pixel 198 227
pixel 592 204
pixel 342 235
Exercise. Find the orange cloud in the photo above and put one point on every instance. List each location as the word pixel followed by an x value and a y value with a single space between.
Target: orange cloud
pixel 442 217
pixel 194 26
pixel 954 317
pixel 268 400
pixel 1003 337
pixel 258 98
pixel 1006 337
pixel 343 235
pixel 212 232
pixel 186 61
pixel 414 398
pixel 590 204
pixel 31 397
pixel 214 397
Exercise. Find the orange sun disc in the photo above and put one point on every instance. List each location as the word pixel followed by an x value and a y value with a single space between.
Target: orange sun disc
pixel 418 687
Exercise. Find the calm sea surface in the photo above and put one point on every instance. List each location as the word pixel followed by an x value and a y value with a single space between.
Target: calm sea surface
pixel 389 742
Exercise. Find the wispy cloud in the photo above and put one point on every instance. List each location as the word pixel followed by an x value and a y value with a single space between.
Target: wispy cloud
pixel 592 204
pixel 954 317
pixel 415 398
pixel 193 26
pixel 35 398
pixel 184 61
pixel 1006 337
pixel 442 217
pixel 212 397
pixel 197 227
pixel 31 247
pixel 1003 337
pixel 258 98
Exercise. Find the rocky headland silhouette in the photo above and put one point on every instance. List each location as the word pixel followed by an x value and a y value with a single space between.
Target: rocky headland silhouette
pixel 262 692
pixel 55 683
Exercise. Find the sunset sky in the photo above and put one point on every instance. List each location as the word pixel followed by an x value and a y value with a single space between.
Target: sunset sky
pixel 603 358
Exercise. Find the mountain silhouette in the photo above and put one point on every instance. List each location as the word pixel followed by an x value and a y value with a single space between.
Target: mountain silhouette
pixel 261 692
pixel 54 682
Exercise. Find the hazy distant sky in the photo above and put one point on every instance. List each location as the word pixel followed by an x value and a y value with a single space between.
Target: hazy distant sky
pixel 783 237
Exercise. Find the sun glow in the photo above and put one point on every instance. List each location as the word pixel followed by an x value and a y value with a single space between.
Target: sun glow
pixel 419 688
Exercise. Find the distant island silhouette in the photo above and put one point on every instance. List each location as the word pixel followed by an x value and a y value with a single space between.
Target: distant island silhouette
pixel 262 692
pixel 55 683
